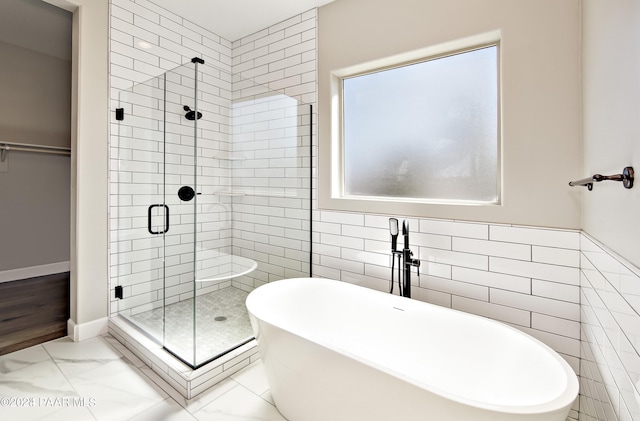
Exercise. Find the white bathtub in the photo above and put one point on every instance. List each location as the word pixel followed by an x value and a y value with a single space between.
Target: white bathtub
pixel 333 351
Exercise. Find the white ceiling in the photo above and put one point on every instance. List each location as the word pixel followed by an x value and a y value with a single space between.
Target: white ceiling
pixel 235 19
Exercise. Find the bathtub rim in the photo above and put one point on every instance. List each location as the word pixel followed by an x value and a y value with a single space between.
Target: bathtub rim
pixel 563 402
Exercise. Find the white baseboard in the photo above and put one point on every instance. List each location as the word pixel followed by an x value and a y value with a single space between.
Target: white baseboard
pixel 33 271
pixel 80 332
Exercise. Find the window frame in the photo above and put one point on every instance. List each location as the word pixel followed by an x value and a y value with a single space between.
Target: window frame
pixel 337 166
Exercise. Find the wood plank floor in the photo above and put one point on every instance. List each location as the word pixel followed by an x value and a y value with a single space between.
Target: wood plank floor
pixel 33 311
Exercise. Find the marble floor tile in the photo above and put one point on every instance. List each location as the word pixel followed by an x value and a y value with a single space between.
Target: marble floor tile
pixel 43 379
pixel 94 380
pixel 66 414
pixel 239 404
pixel 167 410
pixel 267 397
pixel 75 358
pixel 46 413
pixel 34 392
pixel 23 358
pixel 120 390
pixel 253 378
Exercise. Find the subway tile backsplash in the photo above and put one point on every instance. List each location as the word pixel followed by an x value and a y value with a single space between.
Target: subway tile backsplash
pixel 559 286
pixel 480 268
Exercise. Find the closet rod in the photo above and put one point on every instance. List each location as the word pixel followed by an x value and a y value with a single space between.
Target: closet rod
pixel 25 147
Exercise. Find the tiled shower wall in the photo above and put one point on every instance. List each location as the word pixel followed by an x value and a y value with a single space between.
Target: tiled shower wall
pixel 251 148
pixel 271 189
pixel 146 41
pixel 272 221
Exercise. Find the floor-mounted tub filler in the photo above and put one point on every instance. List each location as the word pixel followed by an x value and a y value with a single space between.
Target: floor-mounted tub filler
pixel 337 351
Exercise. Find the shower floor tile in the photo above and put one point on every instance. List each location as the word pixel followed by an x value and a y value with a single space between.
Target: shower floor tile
pixel 221 318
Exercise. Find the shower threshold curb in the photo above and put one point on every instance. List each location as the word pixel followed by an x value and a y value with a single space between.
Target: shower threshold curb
pixel 184 379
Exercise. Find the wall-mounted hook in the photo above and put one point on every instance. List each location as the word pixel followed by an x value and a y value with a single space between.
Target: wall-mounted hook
pixel 3 153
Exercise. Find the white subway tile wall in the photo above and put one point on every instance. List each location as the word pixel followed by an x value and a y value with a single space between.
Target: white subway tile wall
pixel 610 364
pixel 463 267
pixel 270 188
pixel 147 47
pixel 251 148
pixel 272 148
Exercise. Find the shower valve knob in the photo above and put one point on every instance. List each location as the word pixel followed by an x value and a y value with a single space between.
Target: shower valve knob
pixel 186 193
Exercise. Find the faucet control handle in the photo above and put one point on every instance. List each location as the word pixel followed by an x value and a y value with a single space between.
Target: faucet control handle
pixel 415 262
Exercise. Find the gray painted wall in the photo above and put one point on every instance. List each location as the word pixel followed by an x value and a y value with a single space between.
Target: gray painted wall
pixel 35 107
pixel 34 210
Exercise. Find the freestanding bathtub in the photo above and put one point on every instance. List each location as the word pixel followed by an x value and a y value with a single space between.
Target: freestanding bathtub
pixel 334 351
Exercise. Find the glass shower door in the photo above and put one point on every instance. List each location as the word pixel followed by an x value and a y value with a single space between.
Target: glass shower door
pixel 140 218
pixel 181 197
pixel 154 204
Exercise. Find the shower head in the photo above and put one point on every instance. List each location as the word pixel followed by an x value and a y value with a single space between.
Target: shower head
pixel 191 115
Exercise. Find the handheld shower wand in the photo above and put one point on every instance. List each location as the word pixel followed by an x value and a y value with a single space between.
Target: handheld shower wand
pixel 393 228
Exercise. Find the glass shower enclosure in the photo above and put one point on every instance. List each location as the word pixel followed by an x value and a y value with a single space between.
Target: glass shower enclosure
pixel 210 198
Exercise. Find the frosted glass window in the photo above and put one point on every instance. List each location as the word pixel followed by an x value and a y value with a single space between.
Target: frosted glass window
pixel 427 130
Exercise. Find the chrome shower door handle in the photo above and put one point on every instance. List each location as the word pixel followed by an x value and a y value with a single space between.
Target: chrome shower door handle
pixel 166 219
